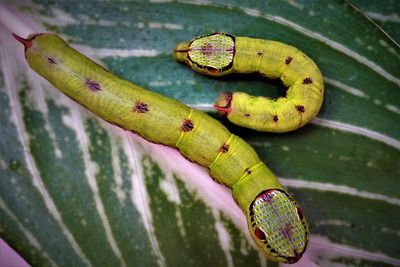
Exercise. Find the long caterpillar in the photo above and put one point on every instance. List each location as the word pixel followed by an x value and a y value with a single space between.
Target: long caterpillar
pixel 220 54
pixel 275 221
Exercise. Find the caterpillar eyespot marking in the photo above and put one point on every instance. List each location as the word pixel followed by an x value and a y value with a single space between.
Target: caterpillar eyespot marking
pixel 228 54
pixel 275 222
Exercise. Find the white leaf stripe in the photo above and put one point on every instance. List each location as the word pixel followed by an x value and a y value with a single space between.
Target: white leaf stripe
pixel 326 251
pixel 344 189
pixel 11 90
pixel 357 130
pixel 34 242
pixel 346 88
pixel 90 173
pixel 110 52
pixel 395 18
pixel 139 195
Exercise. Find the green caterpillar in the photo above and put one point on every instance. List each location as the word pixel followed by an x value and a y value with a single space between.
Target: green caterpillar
pixel 275 221
pixel 220 54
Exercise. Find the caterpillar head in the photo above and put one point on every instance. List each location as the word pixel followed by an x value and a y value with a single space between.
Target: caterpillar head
pixel 278 226
pixel 209 54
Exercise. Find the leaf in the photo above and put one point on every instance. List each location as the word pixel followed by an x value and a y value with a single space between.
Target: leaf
pixel 77 191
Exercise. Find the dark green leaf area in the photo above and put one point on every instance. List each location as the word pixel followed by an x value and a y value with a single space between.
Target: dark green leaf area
pixel 360 222
pixel 243 254
pixel 11 233
pixel 162 74
pixel 65 180
pixel 21 206
pixel 125 221
pixel 333 156
pixel 385 13
pixel 185 232
pixel 360 262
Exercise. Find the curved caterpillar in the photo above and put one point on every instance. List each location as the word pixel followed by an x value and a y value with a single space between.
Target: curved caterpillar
pixel 275 221
pixel 220 54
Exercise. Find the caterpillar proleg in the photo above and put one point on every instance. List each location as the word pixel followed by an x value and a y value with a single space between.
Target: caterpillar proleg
pixel 221 54
pixel 275 220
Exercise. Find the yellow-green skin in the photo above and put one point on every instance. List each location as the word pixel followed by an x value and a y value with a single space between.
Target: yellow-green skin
pixel 271 59
pixel 200 138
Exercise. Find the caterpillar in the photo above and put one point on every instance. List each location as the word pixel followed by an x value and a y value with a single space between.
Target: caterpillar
pixel 220 54
pixel 275 220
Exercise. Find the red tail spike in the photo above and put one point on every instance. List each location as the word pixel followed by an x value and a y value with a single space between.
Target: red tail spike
pixel 26 42
pixel 223 109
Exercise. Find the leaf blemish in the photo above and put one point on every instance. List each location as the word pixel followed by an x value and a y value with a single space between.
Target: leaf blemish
pixel 275 118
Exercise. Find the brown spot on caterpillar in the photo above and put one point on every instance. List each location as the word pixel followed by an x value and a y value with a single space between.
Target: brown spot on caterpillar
pixel 307 81
pixel 51 60
pixel 288 60
pixel 224 148
pixel 247 115
pixel 275 118
pixel 140 107
pixel 187 125
pixel 247 170
pixel 300 108
pixel 92 85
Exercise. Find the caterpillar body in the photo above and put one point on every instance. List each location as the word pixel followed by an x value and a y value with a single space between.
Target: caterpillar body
pixel 275 220
pixel 220 54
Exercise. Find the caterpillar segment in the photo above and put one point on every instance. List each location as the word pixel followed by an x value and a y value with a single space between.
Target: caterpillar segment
pixel 221 54
pixel 275 220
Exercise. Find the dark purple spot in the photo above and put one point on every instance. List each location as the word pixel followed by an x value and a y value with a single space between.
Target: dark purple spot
pixel 247 115
pixel 260 233
pixel 141 107
pixel 275 118
pixel 248 171
pixel 51 60
pixel 187 125
pixel 92 85
pixel 288 60
pixel 224 148
pixel 286 231
pixel 207 49
pixel 307 81
pixel 231 50
pixel 300 108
